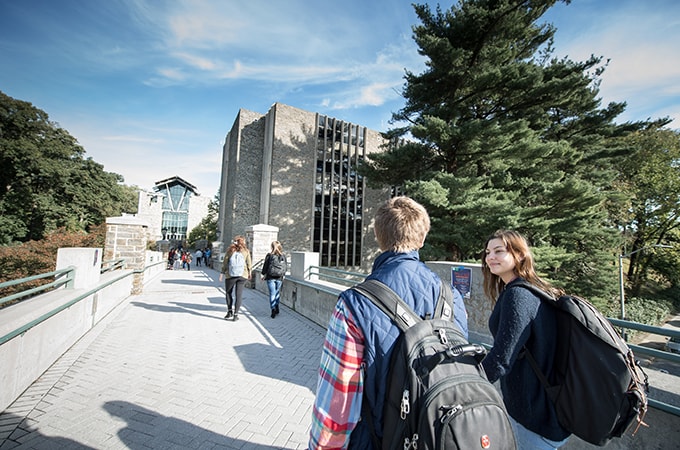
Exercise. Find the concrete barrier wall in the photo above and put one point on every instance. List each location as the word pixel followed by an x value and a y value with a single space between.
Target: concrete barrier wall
pixel 24 358
pixel 316 300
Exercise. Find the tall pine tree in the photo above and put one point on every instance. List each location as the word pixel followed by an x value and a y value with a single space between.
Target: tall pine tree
pixel 501 134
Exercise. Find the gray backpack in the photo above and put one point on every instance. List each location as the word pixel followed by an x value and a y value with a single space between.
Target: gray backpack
pixel 237 264
pixel 438 396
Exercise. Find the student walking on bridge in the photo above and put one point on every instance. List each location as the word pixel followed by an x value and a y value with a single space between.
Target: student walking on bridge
pixel 237 266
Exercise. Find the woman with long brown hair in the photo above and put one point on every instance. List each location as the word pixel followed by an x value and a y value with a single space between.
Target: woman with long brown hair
pixel 273 271
pixel 521 321
pixel 237 266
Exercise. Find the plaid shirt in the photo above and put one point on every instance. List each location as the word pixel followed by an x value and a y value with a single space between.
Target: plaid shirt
pixel 337 407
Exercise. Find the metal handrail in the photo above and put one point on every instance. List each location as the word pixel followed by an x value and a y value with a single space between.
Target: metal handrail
pixel 325 273
pixel 112 264
pixel 22 329
pixel 64 277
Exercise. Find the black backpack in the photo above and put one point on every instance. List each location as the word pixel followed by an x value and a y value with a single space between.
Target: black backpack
pixel 277 266
pixel 438 396
pixel 598 388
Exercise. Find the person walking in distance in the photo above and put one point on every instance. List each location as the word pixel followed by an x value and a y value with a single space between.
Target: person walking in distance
pixel 273 270
pixel 237 267
pixel 520 321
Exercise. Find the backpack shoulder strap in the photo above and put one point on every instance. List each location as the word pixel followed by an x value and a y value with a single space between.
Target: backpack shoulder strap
pixel 547 298
pixel 389 302
pixel 444 308
pixel 538 292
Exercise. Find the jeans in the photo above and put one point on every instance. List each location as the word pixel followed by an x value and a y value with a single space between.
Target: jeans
pixel 528 440
pixel 274 286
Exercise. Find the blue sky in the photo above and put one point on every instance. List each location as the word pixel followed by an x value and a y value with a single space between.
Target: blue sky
pixel 150 88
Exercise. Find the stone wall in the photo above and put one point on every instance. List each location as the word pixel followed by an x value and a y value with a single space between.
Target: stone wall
pixel 291 201
pixel 241 172
pixel 127 237
pixel 260 238
pixel 269 177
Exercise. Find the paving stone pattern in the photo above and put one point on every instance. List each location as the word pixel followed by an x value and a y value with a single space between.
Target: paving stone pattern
pixel 166 371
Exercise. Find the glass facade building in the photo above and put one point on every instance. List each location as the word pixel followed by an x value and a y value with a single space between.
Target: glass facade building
pixel 176 194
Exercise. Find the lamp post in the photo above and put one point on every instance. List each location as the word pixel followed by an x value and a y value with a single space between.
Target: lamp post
pixel 621 287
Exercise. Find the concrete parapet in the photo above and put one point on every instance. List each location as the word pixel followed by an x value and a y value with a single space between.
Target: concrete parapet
pixel 87 262
pixel 477 305
pixel 300 263
pixel 51 324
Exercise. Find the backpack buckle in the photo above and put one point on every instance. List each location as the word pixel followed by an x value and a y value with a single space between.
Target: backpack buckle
pixel 405 404
pixel 442 336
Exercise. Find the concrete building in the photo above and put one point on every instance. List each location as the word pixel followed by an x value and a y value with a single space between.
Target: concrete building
pixel 172 209
pixel 297 170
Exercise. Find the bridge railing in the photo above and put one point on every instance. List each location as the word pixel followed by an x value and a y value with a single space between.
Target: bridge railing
pixel 112 264
pixel 27 339
pixel 655 353
pixel 348 279
pixel 339 276
pixel 63 277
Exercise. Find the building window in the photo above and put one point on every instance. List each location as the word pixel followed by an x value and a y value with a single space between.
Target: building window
pixel 339 193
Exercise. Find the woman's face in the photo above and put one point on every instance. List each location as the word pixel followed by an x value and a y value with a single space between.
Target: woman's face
pixel 500 262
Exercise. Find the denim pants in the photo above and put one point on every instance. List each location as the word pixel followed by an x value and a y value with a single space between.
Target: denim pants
pixel 528 440
pixel 274 286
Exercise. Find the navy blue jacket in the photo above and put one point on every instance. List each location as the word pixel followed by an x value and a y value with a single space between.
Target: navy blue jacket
pixel 521 319
pixel 419 287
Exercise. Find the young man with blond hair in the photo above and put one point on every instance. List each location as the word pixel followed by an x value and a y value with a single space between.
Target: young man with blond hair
pixel 360 338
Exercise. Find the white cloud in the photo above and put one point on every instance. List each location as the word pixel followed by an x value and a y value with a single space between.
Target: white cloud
pixel 639 40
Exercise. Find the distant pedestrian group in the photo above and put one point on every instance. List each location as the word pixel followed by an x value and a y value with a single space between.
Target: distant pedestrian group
pixel 178 258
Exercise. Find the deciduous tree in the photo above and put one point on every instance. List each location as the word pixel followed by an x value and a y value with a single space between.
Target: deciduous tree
pixel 650 181
pixel 46 182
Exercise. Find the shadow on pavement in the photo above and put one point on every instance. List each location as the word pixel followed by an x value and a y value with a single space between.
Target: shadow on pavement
pixel 188 308
pixel 203 283
pixel 27 437
pixel 283 364
pixel 148 429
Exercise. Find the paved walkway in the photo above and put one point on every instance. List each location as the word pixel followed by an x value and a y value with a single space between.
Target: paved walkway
pixel 166 371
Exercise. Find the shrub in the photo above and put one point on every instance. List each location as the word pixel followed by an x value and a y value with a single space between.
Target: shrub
pixel 36 257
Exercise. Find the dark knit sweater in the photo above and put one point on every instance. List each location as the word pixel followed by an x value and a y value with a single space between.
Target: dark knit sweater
pixel 520 319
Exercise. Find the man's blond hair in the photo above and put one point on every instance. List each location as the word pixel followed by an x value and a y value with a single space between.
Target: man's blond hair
pixel 401 225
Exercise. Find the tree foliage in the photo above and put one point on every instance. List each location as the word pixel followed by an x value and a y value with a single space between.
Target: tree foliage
pixel 501 134
pixel 207 228
pixel 650 179
pixel 46 182
pixel 35 257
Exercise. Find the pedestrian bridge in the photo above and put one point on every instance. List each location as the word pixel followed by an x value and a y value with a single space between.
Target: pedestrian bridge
pixel 162 369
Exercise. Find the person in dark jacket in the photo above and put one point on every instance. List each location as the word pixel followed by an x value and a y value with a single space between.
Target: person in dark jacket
pixel 274 281
pixel 520 319
pixel 360 338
